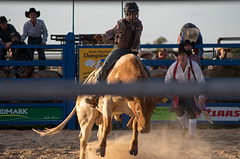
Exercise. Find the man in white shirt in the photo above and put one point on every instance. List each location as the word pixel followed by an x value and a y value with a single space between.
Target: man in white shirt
pixel 37 33
pixel 185 71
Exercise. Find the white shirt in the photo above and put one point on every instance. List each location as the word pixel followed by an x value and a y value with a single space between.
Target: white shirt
pixel 182 77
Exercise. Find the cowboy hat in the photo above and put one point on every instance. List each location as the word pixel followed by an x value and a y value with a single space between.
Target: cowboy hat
pixel 187 42
pixel 191 34
pixel 182 50
pixel 144 52
pixel 3 19
pixel 30 11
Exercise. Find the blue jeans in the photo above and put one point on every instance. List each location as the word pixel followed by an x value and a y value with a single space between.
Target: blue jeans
pixel 41 54
pixel 109 62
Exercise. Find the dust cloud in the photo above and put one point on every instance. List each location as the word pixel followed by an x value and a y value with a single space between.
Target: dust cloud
pixel 161 143
pixel 165 144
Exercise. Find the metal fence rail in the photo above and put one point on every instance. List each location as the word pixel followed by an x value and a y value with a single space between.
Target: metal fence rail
pixel 61 88
pixel 16 110
pixel 68 89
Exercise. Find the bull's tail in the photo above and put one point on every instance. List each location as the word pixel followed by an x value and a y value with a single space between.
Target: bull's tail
pixel 59 127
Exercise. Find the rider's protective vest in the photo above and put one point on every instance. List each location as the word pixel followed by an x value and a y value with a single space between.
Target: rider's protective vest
pixel 130 37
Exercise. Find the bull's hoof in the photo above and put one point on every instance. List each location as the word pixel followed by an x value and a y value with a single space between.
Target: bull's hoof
pixel 101 151
pixel 133 151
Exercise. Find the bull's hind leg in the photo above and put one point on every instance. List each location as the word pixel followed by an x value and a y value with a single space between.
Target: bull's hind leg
pixel 84 137
pixel 106 125
pixel 133 149
pixel 86 118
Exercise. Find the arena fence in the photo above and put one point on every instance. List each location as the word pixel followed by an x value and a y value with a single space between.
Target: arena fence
pixel 30 110
pixel 66 89
pixel 225 112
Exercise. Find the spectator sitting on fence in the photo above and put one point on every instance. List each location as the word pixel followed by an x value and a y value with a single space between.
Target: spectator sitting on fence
pixel 192 33
pixel 162 55
pixel 145 55
pixel 222 54
pixel 19 54
pixel 37 33
pixel 5 32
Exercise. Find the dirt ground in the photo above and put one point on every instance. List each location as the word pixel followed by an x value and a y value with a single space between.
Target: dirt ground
pixel 163 143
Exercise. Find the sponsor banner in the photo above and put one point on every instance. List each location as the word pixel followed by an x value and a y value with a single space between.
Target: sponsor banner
pixel 216 113
pixel 30 114
pixel 90 59
pixel 222 114
pixel 163 113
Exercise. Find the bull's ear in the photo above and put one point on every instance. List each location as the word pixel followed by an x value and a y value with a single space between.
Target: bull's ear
pixel 128 98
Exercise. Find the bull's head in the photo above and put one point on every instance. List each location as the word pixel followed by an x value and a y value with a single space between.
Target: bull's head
pixel 143 108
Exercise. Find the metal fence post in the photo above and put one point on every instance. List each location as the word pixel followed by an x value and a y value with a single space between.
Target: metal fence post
pixel 70 74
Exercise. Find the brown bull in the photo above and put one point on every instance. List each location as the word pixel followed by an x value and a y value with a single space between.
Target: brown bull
pixel 128 69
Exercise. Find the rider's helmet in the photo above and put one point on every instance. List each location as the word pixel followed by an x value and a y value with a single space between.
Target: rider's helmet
pixel 131 12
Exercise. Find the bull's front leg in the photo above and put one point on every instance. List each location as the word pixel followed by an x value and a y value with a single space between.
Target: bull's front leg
pixel 106 125
pixel 133 149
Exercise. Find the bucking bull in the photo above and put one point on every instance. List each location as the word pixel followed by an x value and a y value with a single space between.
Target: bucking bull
pixel 128 69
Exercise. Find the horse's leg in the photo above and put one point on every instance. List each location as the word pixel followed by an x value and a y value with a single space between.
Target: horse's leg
pixel 133 149
pixel 107 125
pixel 86 118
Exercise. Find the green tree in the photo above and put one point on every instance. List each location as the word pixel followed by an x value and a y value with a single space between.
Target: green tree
pixel 160 40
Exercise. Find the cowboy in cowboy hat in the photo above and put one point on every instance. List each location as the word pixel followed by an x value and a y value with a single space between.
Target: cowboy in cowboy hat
pixel 5 31
pixel 181 71
pixel 146 54
pixel 32 10
pixel 189 46
pixel 37 33
pixel 3 20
